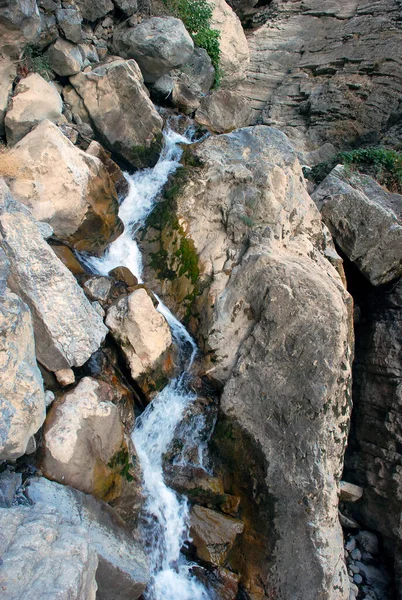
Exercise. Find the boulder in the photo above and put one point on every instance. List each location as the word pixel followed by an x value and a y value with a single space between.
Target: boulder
pixel 141 331
pixel 115 173
pixel 69 21
pixel 19 26
pixel 22 398
pixel 34 100
pixel 234 51
pixel 67 329
pixel 223 111
pixel 121 111
pixel 64 58
pixel 158 44
pixel 254 271
pixel 8 71
pixel 79 548
pixel 65 187
pixel 365 221
pixel 213 534
pixel 129 7
pixel 92 10
pixel 199 71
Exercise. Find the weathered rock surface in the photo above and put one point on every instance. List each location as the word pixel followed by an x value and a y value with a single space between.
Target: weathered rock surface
pixel 92 10
pixel 115 173
pixel 121 111
pixel 64 57
pixel 234 50
pixel 223 111
pixel 67 329
pixel 69 21
pixel 349 492
pixel 311 77
pixel 158 44
pixel 22 398
pixel 34 100
pixel 81 548
pixel 19 26
pixel 9 484
pixel 66 187
pixel 271 310
pixel 213 534
pixel 365 221
pixel 198 72
pixel 129 7
pixel 8 72
pixel 141 331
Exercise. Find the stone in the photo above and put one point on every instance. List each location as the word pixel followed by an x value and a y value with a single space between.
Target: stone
pixel 356 554
pixel 34 100
pixel 64 58
pixel 115 173
pixel 349 492
pixel 234 51
pixel 213 534
pixel 357 578
pixel 348 522
pixel 199 71
pixel 184 98
pixel 49 398
pixel 65 187
pixel 262 299
pixel 68 259
pixel 129 7
pixel 76 105
pixel 125 275
pixel 98 288
pixel 22 398
pixel 365 221
pixel 223 111
pixel 69 21
pixel 158 45
pixel 350 544
pixel 8 72
pixel 92 10
pixel 141 331
pixel 67 329
pixel 9 483
pixel 48 31
pixel 4 272
pixel 121 111
pixel 368 541
pixel 19 26
pixel 65 377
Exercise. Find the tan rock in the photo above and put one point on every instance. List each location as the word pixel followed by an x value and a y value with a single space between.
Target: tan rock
pixel 64 58
pixel 34 100
pixel 115 173
pixel 213 534
pixel 8 71
pixel 66 187
pixel 65 377
pixel 223 111
pixel 68 259
pixel 349 492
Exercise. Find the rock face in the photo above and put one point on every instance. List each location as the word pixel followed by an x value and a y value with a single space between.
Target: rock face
pixel 365 221
pixel 213 534
pixel 121 110
pixel 34 100
pixel 82 549
pixel 310 77
pixel 66 187
pixel 234 50
pixel 223 111
pixel 8 72
pixel 64 58
pixel 92 10
pixel 157 44
pixel 67 328
pixel 22 398
pixel 19 26
pixel 272 312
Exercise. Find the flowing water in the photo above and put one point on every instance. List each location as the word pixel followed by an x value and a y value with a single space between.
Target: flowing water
pixel 166 512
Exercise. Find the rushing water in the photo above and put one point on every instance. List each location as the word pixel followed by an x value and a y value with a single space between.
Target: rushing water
pixel 166 513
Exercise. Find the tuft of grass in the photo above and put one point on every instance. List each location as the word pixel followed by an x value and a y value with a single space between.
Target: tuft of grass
pixel 34 61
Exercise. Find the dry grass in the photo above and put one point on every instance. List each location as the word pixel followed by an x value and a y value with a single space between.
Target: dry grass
pixel 9 165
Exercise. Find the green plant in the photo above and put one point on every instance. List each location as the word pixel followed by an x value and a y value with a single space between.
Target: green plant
pixel 196 16
pixel 34 61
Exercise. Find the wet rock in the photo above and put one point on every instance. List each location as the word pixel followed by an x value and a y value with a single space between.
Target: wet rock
pixel 8 71
pixel 213 534
pixel 65 377
pixel 351 544
pixel 68 259
pixel 92 10
pixel 9 483
pixel 65 187
pixel 356 554
pixel 223 583
pixel 69 21
pixel 158 45
pixel 141 331
pixel 67 329
pixel 224 111
pixel 34 100
pixel 114 94
pixel 350 492
pixel 64 57
pixel 365 220
pixel 115 173
pixel 19 26
pixel 22 398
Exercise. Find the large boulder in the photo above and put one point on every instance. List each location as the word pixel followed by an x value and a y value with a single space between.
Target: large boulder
pixel 158 44
pixel 34 100
pixel 65 187
pixel 234 51
pixel 223 111
pixel 365 221
pixel 64 57
pixel 121 111
pixel 67 329
pixel 8 71
pixel 266 302
pixel 79 548
pixel 22 398
pixel 19 26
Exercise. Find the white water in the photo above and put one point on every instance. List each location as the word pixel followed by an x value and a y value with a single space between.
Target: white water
pixel 166 513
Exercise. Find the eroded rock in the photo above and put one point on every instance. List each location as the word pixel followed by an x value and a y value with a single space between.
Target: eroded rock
pixel 8 71
pixel 19 26
pixel 92 10
pixel 213 534
pixel 224 111
pixel 64 57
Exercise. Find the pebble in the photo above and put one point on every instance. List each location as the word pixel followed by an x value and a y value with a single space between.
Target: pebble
pixel 357 578
pixel 356 554
pixel 350 544
pixel 354 568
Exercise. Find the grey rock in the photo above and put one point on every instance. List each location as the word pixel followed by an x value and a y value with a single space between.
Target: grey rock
pixel 184 98
pixel 67 329
pixel 365 220
pixel 358 579
pixel 350 492
pixel 129 7
pixel 48 31
pixel 45 229
pixel 223 111
pixel 157 44
pixel 368 541
pixel 69 21
pixel 9 483
pixel 356 554
pixel 92 10
pixel 4 272
pixel 375 577
pixel 8 72
pixel 200 70
pixel 64 57
pixel 19 26
pixel 354 569
pixel 49 398
pixel 350 544
pixel 98 288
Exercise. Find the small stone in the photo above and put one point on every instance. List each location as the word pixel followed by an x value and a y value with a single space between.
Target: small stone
pixel 357 578
pixel 65 377
pixel 350 544
pixel 31 446
pixel 49 398
pixel 368 541
pixel 356 554
pixel 354 568
pixel 98 288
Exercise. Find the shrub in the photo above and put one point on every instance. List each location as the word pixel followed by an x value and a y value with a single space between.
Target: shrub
pixel 35 62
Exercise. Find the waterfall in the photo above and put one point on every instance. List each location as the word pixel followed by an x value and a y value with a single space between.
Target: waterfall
pixel 166 512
